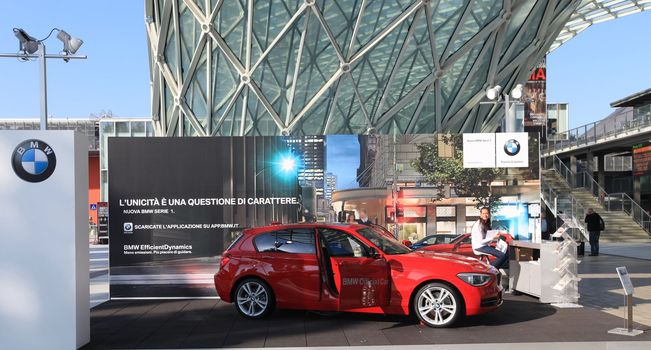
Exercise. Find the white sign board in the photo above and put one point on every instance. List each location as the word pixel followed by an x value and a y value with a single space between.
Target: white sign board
pixel 625 279
pixel 479 150
pixel 44 290
pixel 512 150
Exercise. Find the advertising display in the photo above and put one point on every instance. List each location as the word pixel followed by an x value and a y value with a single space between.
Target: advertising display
pixel 535 93
pixel 479 150
pixel 176 204
pixel 641 160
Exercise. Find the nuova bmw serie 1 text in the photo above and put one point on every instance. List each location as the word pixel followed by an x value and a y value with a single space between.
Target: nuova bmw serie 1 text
pixel 351 268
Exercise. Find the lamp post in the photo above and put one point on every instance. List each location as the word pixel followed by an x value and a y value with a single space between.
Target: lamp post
pixel 495 95
pixel 32 48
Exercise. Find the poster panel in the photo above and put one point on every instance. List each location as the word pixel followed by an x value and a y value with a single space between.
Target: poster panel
pixel 641 160
pixel 535 93
pixel 176 204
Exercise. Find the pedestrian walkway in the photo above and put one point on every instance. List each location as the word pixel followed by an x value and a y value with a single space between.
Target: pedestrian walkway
pixel 601 289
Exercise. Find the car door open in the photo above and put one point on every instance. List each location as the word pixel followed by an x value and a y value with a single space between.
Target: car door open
pixel 360 274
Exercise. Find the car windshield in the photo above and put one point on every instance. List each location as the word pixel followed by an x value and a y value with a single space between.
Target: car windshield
pixel 459 239
pixel 388 246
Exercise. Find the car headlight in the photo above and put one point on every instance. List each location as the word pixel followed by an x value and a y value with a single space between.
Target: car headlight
pixel 475 279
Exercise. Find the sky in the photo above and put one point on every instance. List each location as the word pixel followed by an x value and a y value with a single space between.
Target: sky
pixel 343 159
pixel 604 63
pixel 115 77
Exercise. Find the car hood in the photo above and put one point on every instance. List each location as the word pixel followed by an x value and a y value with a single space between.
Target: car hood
pixel 465 262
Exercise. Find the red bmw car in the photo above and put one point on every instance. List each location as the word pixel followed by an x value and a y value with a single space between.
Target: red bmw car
pixel 462 245
pixel 336 267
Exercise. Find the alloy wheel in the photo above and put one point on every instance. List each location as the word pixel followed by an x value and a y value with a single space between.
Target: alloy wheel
pixel 437 305
pixel 252 299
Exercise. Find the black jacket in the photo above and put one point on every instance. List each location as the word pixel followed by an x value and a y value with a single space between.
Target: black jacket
pixel 595 222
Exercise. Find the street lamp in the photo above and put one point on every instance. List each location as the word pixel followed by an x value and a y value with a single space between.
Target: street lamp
pixel 495 95
pixel 32 48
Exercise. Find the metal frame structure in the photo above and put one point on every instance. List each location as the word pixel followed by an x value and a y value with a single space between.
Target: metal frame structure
pixel 596 11
pixel 309 67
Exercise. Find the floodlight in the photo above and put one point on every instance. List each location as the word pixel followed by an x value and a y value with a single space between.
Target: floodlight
pixel 494 92
pixel 70 43
pixel 28 44
pixel 516 93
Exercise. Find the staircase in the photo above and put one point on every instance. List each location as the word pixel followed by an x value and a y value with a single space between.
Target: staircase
pixel 620 227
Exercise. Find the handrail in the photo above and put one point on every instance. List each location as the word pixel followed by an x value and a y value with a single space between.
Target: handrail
pixel 610 202
pixel 592 132
pixel 576 210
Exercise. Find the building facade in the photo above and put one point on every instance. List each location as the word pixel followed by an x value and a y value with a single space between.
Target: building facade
pixel 312 153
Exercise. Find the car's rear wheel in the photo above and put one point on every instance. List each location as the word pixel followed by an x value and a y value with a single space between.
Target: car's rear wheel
pixel 438 305
pixel 253 298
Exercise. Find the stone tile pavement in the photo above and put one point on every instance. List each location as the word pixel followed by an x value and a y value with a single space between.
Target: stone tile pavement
pixel 601 289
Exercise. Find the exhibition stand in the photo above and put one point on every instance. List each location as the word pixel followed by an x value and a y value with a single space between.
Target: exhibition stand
pixel 44 263
pixel 547 270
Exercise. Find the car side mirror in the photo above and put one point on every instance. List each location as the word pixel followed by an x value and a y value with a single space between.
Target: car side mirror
pixel 373 253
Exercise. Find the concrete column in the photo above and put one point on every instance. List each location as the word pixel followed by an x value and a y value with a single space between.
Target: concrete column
pixel 637 189
pixel 461 218
pixel 601 172
pixel 573 170
pixel 589 162
pixel 431 220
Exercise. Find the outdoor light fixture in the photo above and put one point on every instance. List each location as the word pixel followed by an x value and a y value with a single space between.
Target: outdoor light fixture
pixel 517 91
pixel 493 92
pixel 70 43
pixel 495 95
pixel 27 44
pixel 32 48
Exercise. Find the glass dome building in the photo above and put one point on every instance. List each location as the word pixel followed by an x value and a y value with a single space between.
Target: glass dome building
pixel 309 67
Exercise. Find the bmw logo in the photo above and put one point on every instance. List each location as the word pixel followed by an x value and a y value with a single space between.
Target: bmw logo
pixel 512 147
pixel 33 160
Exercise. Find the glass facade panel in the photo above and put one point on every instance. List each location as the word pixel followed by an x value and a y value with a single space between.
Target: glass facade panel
pixel 324 67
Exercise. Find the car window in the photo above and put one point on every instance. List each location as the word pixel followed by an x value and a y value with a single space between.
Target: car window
pixel 298 241
pixel 432 240
pixel 341 244
pixel 265 242
pixel 388 246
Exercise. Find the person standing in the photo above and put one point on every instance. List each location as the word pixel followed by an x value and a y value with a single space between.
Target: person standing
pixel 363 218
pixel 595 225
pixel 481 243
pixel 351 219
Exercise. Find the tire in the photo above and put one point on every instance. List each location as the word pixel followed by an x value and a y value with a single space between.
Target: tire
pixel 254 298
pixel 438 305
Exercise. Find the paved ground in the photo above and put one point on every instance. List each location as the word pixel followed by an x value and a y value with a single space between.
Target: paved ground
pixel 601 289
pixel 213 324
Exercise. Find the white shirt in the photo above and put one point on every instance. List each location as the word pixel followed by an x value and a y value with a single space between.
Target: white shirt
pixel 478 237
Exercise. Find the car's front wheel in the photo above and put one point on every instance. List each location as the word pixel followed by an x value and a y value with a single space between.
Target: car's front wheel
pixel 438 305
pixel 253 298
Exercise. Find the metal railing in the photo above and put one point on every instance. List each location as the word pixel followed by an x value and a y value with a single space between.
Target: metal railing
pixel 609 201
pixel 565 204
pixel 591 133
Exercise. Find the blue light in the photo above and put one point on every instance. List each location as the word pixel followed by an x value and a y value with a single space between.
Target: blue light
pixel 288 164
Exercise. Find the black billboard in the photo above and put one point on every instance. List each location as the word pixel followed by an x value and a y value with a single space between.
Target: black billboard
pixel 176 203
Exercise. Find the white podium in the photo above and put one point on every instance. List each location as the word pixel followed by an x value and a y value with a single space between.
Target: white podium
pixel 44 290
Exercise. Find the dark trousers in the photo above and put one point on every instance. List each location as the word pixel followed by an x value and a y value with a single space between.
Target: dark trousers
pixel 501 257
pixel 594 242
